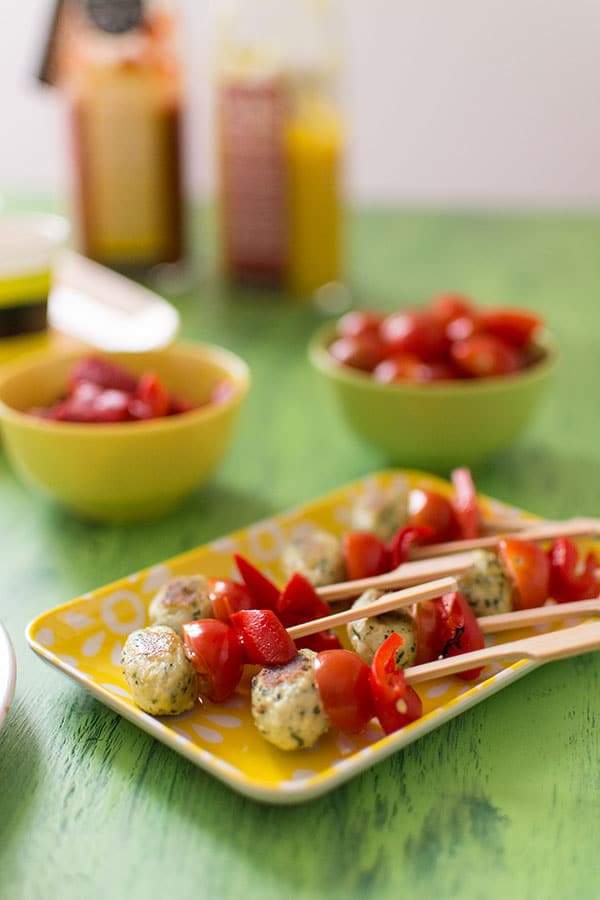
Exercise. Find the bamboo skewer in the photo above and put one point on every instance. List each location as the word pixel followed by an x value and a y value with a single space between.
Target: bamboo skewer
pixel 453 558
pixel 540 615
pixel 521 618
pixel 409 573
pixel 388 602
pixel 542 648
pixel 580 527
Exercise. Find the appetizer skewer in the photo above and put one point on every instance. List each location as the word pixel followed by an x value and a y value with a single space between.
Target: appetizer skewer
pixel 522 618
pixel 542 648
pixel 545 531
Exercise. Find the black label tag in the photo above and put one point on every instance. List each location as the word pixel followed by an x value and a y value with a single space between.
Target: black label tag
pixel 115 16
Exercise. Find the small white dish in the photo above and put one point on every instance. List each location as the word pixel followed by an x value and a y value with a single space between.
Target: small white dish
pixel 102 308
pixel 8 673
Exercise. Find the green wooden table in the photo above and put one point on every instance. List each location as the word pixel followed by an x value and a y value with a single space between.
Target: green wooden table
pixel 501 802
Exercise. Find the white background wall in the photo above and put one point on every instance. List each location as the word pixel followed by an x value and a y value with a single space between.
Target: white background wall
pixel 468 102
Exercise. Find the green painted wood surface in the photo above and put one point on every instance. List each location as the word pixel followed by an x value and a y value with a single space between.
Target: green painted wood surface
pixel 502 802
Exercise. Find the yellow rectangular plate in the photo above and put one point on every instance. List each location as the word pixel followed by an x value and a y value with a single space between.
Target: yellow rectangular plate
pixel 84 638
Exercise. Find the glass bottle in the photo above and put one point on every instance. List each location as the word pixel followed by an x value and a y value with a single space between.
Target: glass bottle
pixel 280 143
pixel 125 110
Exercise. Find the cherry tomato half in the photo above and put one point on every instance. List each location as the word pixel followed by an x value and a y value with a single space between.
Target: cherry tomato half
pixel 343 685
pixel 358 322
pixel 446 307
pixel 464 503
pixel 215 652
pixel 432 510
pixel 459 630
pixel 362 352
pixel 228 596
pixel 515 326
pixel 572 578
pixel 365 554
pixel 529 569
pixel 414 331
pixel 484 356
pixel 427 617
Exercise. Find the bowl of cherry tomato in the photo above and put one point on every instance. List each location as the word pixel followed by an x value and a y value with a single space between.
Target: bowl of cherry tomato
pixel 438 386
pixel 121 436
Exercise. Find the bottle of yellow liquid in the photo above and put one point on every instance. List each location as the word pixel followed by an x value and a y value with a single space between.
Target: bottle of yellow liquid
pixel 280 144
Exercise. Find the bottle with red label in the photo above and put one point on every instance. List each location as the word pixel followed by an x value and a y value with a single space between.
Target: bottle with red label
pixel 279 144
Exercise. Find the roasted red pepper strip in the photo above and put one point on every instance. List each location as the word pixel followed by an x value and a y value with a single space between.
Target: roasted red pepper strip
pixel 568 579
pixel 264 593
pixel 322 640
pixel 465 504
pixel 399 547
pixel 264 639
pixel 299 602
pixel 460 630
pixel 396 703
pixel 365 554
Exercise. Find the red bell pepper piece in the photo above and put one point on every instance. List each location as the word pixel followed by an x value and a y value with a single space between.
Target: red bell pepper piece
pixel 264 639
pixel 264 593
pixel 569 580
pixel 152 393
pixel 396 703
pixel 365 554
pixel 322 640
pixel 460 630
pixel 403 540
pixel 299 602
pixel 465 504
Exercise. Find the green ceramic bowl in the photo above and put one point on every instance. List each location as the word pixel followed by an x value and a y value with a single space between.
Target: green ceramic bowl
pixel 128 470
pixel 438 425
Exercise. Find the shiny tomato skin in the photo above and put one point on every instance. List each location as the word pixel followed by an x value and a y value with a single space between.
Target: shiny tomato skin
pixel 463 327
pixel 228 596
pixel 365 554
pixel 446 307
pixel 465 504
pixel 426 615
pixel 400 367
pixel 357 323
pixel 515 326
pixel 528 567
pixel 363 352
pixel 408 367
pixel 571 576
pixel 416 332
pixel 215 652
pixel 430 509
pixel 485 356
pixel 343 684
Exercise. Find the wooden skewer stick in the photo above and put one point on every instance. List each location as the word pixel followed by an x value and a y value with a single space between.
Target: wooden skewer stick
pixel 542 648
pixel 523 618
pixel 545 531
pixel 409 573
pixel 395 600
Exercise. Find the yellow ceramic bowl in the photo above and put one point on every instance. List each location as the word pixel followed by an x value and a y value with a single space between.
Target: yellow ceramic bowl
pixel 441 424
pixel 130 470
